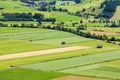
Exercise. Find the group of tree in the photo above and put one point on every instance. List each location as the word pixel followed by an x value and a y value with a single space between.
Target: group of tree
pixel 23 25
pixel 26 17
pixel 113 25
pixel 3 25
pixel 82 27
pixel 49 9
pixel 17 17
pixel 78 1
pixel 46 6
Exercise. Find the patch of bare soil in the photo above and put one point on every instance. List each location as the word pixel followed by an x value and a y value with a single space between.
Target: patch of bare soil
pixel 42 52
pixel 77 78
pixel 102 33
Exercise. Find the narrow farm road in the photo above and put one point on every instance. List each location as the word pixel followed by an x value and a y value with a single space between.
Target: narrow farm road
pixel 41 52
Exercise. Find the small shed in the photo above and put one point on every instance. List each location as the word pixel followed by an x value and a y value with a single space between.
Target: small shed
pixel 99 46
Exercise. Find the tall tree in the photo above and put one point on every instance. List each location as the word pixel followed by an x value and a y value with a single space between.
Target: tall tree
pixel 78 1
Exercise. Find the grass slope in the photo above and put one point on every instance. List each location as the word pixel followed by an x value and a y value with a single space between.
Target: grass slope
pixel 14 6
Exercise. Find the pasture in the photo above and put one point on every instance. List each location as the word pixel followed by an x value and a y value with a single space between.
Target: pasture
pixel 17 74
pixel 62 64
pixel 16 46
pixel 89 65
pixel 40 36
pixel 101 71
pixel 14 6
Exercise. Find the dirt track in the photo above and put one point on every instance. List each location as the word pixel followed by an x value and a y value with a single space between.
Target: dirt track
pixel 76 78
pixel 42 52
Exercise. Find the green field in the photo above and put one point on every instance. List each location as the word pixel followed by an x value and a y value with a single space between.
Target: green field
pixel 97 71
pixel 74 62
pixel 65 17
pixel 16 46
pixel 40 35
pixel 23 74
pixel 89 65
pixel 14 6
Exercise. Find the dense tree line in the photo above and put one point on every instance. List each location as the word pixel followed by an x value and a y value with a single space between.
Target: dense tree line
pixel 26 17
pixel 17 17
pixel 27 1
pixel 78 1
pixel 3 25
pixel 23 25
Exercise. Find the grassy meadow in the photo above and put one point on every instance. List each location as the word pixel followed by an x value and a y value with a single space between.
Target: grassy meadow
pixel 77 7
pixel 28 74
pixel 92 62
pixel 14 6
